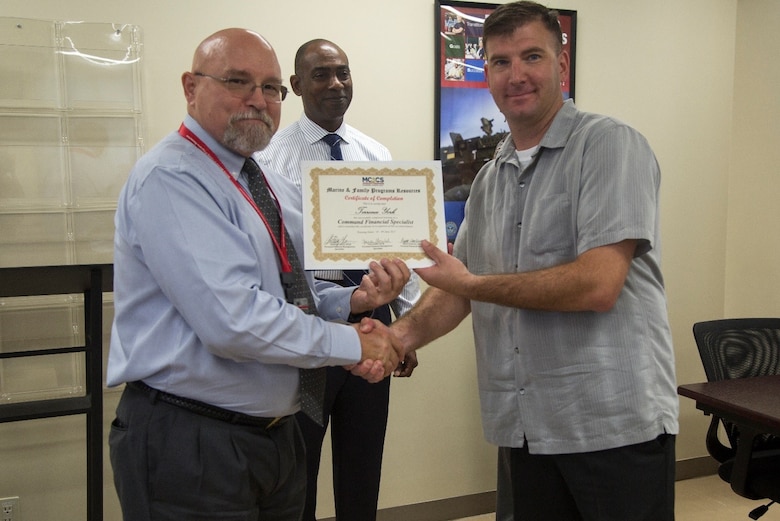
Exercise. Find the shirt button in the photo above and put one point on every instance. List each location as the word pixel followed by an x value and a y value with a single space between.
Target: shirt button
pixel 520 225
pixel 522 184
pixel 522 391
pixel 517 350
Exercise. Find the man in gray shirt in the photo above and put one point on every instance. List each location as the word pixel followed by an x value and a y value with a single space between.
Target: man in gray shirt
pixel 558 261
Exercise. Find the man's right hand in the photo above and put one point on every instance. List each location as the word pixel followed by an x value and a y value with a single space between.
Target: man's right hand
pixel 380 351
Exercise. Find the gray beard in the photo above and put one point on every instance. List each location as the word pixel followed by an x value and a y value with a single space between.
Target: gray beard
pixel 248 141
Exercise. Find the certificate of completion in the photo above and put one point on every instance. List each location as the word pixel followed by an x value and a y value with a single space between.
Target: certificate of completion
pixel 355 212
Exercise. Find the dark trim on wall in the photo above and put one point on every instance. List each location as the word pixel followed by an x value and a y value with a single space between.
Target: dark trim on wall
pixel 696 468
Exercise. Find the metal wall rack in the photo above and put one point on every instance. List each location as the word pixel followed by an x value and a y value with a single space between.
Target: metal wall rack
pixel 91 281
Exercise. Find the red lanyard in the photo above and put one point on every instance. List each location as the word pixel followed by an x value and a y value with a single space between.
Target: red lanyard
pixel 281 244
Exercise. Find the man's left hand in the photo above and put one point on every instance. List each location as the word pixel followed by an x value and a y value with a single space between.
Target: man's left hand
pixel 407 365
pixel 384 282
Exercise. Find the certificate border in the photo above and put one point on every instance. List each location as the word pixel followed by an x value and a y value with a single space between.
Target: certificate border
pixel 321 256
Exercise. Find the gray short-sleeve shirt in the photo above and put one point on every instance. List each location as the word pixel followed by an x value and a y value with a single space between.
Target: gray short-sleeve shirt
pixel 582 381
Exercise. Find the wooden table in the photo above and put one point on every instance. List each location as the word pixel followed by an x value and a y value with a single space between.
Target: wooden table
pixel 752 404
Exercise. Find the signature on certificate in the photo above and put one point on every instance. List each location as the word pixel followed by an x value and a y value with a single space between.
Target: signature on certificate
pixel 376 243
pixel 335 240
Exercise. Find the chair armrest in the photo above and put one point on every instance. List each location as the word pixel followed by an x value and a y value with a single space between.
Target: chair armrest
pixel 715 448
pixel 742 459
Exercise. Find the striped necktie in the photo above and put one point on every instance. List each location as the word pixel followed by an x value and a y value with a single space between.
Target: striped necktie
pixel 334 141
pixel 353 279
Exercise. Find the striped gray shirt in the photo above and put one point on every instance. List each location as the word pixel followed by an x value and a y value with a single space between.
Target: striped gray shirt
pixel 577 381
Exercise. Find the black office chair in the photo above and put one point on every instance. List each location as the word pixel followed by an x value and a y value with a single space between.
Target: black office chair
pixel 740 348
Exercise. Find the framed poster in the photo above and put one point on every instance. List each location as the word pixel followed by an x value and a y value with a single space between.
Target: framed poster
pixel 468 125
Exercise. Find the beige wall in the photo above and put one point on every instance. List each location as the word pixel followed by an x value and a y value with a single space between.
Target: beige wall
pixel 666 67
pixel 752 267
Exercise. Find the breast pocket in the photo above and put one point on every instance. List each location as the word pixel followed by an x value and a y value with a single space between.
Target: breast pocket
pixel 549 227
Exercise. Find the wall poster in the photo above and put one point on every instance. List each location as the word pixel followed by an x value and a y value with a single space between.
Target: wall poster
pixel 468 125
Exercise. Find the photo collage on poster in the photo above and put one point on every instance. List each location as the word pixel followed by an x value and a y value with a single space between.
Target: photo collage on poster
pixel 469 123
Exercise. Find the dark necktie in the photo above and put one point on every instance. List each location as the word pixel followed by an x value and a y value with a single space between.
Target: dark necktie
pixel 334 141
pixel 312 380
pixel 353 277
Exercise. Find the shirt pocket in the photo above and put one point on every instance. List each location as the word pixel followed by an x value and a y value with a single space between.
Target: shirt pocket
pixel 549 228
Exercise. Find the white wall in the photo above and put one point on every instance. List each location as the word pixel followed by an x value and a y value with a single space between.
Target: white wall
pixel 666 67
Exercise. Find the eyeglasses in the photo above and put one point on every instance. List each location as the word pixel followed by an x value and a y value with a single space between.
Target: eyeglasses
pixel 245 88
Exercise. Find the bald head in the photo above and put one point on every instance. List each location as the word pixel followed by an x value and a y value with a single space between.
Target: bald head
pixel 226 42
pixel 324 81
pixel 314 45
pixel 242 120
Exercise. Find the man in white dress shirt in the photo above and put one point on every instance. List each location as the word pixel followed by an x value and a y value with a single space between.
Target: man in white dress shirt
pixel 358 411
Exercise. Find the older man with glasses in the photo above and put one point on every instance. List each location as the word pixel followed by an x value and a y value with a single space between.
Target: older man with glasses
pixel 217 330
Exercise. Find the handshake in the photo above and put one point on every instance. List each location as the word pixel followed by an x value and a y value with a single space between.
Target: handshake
pixel 381 350
pixel 383 347
pixel 381 353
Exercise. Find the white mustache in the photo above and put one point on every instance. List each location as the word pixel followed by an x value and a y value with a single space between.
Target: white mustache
pixel 265 118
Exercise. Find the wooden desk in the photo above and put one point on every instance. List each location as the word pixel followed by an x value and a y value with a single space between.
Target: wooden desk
pixel 748 402
pixel 752 404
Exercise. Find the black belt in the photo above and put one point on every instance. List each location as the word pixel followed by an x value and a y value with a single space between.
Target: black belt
pixel 210 411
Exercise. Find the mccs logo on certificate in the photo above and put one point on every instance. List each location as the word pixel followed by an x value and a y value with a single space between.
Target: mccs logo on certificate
pixel 355 212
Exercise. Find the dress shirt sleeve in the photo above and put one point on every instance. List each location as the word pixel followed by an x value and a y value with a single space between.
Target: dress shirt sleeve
pixel 333 300
pixel 409 296
pixel 217 266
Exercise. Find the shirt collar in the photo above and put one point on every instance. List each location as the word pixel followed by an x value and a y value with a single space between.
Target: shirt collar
pixel 555 137
pixel 560 129
pixel 313 132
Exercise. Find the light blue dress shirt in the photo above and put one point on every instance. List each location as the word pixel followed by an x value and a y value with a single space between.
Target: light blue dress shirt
pixel 199 306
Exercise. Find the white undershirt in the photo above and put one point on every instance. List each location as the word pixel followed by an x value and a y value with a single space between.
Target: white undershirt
pixel 527 156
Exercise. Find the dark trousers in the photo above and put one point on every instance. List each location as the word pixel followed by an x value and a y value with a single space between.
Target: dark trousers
pixel 357 413
pixel 358 419
pixel 171 464
pixel 504 503
pixel 632 483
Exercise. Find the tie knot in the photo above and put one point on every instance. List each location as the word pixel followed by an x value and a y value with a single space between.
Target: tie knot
pixel 250 168
pixel 332 139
